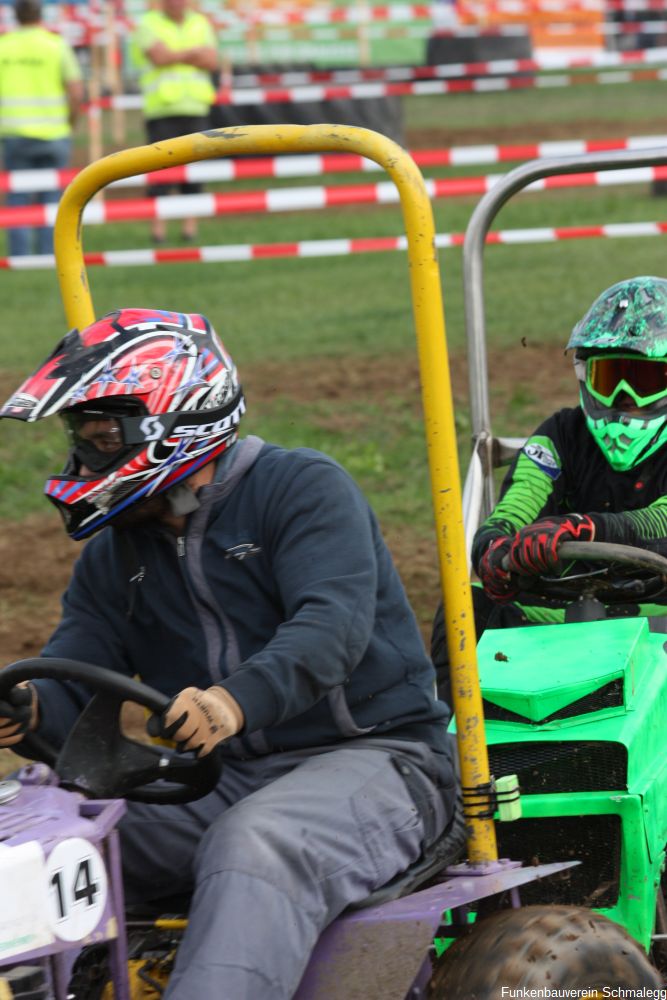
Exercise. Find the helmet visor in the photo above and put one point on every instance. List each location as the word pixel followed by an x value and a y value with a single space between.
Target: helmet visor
pixel 643 379
pixel 96 437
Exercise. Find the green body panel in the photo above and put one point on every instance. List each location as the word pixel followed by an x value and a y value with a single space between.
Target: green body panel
pixel 639 875
pixel 536 672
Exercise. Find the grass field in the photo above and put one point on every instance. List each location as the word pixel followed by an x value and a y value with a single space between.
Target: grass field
pixel 326 346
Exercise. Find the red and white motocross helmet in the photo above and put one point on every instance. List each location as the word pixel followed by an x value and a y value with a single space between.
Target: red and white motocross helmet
pixel 165 385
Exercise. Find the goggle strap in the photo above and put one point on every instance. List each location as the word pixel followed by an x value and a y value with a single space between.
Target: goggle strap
pixel 140 430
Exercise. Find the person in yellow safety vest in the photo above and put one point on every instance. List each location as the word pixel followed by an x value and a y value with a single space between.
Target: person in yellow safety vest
pixel 176 50
pixel 41 93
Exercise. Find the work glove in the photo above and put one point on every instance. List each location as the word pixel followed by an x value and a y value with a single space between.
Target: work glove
pixel 534 549
pixel 198 720
pixel 493 572
pixel 18 714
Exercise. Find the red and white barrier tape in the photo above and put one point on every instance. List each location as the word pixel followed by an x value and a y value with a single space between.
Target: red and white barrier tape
pixel 353 14
pixel 80 34
pixel 364 14
pixel 316 165
pixel 425 29
pixel 364 91
pixel 239 252
pixel 360 14
pixel 546 62
pixel 305 198
pixel 517 8
pixel 220 18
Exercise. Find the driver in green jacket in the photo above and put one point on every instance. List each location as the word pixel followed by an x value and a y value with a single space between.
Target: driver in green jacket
pixel 597 471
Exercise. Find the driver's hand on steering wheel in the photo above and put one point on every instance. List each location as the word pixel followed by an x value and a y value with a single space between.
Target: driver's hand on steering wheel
pixel 198 720
pixel 534 549
pixel 493 572
pixel 18 714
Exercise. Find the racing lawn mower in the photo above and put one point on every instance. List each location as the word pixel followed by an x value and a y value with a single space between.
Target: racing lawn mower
pixel 447 928
pixel 575 710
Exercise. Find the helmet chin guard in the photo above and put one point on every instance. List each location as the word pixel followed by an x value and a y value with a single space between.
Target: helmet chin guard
pixel 185 407
pixel 624 440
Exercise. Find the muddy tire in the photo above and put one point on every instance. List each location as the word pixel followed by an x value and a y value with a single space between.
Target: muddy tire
pixel 659 950
pixel 541 946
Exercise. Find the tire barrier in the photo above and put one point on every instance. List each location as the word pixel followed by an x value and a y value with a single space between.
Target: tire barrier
pixel 241 106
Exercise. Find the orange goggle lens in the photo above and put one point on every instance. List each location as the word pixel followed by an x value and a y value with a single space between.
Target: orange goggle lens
pixel 643 379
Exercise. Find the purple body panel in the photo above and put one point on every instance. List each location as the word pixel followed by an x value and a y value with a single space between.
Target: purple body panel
pixel 45 813
pixel 378 953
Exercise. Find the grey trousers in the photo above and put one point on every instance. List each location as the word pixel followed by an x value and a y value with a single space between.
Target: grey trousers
pixel 282 846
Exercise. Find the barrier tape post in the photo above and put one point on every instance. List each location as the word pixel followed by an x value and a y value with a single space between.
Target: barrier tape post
pixel 113 77
pixel 94 109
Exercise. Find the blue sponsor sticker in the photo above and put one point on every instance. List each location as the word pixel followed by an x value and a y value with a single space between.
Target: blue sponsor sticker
pixel 543 458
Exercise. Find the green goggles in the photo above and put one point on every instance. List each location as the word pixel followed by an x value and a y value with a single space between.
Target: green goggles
pixel 606 376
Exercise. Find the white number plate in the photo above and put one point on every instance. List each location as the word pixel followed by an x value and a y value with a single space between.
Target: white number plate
pixel 77 886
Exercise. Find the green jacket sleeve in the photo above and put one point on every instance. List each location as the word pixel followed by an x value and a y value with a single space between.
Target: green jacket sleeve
pixel 526 491
pixel 633 527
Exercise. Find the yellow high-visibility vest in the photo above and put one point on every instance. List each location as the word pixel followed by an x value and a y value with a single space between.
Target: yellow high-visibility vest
pixel 35 64
pixel 179 89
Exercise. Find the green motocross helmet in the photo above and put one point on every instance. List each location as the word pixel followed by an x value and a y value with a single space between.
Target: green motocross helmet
pixel 621 362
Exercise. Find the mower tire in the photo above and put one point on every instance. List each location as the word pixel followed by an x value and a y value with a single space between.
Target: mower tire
pixel 541 946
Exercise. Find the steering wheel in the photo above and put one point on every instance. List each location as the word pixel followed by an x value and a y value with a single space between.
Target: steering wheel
pixel 629 575
pixel 97 758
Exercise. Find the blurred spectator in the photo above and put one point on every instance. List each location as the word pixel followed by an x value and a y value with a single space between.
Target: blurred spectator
pixel 176 51
pixel 41 92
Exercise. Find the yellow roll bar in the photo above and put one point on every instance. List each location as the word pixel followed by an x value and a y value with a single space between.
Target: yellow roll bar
pixel 433 362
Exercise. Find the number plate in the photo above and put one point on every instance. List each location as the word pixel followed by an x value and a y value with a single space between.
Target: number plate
pixel 77 883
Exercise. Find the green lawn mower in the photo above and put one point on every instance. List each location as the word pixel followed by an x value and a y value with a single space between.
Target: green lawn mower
pixel 577 711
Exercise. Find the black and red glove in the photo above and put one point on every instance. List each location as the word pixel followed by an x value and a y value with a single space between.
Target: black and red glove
pixel 492 572
pixel 534 549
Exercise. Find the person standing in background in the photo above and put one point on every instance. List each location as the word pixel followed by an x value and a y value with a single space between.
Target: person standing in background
pixel 175 49
pixel 41 93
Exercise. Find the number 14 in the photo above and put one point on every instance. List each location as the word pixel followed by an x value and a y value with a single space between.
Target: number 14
pixel 82 888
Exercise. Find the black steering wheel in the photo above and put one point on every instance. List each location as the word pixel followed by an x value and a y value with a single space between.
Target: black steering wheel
pixel 97 758
pixel 627 574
